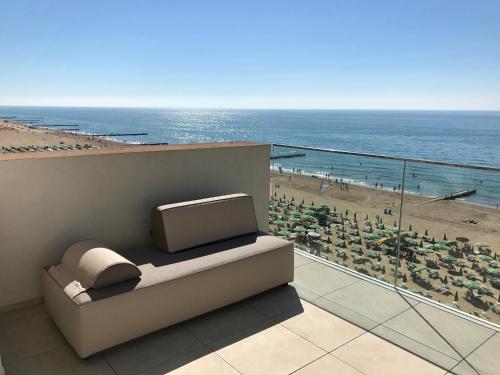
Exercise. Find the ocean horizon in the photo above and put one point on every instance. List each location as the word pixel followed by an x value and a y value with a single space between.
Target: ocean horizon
pixel 464 137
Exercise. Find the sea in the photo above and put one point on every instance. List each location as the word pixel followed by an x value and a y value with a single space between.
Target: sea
pixel 463 137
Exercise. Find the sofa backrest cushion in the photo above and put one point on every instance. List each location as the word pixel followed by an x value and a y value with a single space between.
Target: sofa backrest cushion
pixel 184 225
pixel 96 266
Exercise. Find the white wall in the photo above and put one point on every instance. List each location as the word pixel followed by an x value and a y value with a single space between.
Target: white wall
pixel 49 201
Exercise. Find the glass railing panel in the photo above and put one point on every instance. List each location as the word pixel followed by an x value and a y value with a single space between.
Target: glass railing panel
pixel 341 207
pixel 451 237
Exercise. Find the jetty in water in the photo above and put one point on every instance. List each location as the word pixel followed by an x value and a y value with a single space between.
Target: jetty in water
pixel 458 194
pixel 54 125
pixel 288 156
pixel 118 134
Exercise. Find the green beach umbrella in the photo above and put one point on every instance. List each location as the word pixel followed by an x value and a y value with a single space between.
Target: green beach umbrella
pixel 308 217
pixel 441 246
pixel 471 284
pixel 482 244
pixel 361 260
pixel 296 214
pixel 424 250
pixel 449 259
pixel 299 230
pixel 357 249
pixel 372 254
pixel 311 207
pixel 450 243
pixel 279 222
pixel 494 271
pixel 314 226
pixel 485 257
pixel 373 236
pixel 413 241
pixel 419 269
pixel 309 212
pixel 294 220
pixel 283 233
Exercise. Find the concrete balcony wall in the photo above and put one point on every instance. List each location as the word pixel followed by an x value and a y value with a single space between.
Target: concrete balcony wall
pixel 50 200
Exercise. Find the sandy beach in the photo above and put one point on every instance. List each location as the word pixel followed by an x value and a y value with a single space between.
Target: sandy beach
pixel 13 134
pixel 446 217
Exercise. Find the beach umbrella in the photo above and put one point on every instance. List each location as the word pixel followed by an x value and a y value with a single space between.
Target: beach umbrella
pixel 413 241
pixel 283 233
pixel 322 205
pixel 471 284
pixel 424 250
pixel 361 260
pixel 450 243
pixel 309 212
pixel 296 214
pixel 314 226
pixel 494 271
pixel 392 241
pixel 308 217
pixel 441 246
pixel 299 229
pixel 314 235
pixel 356 239
pixel 311 207
pixel 372 254
pixel 482 244
pixel 373 236
pixel 357 249
pixel 419 269
pixel 485 257
pixel 294 220
pixel 279 222
pixel 449 259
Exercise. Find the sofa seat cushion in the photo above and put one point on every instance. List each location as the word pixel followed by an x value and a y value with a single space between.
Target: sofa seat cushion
pixel 185 225
pixel 159 267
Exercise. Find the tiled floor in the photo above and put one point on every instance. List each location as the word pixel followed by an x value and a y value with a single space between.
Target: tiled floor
pixel 458 345
pixel 277 332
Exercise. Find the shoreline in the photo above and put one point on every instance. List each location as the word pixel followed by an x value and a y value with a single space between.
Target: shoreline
pixel 25 135
pixel 352 182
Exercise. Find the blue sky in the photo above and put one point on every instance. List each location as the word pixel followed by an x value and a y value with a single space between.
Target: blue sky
pixel 425 54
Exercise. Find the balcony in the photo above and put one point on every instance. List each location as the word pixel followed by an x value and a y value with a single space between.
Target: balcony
pixel 338 316
pixel 327 321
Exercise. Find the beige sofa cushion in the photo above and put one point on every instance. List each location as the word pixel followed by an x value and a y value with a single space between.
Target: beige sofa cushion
pixel 95 266
pixel 180 226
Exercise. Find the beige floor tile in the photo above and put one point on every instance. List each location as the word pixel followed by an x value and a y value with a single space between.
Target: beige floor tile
pixel 157 348
pixel 276 301
pixel 273 350
pixel 28 336
pixel 375 356
pixel 224 322
pixel 300 260
pixel 327 365
pixel 60 360
pixel 200 364
pixel 321 328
